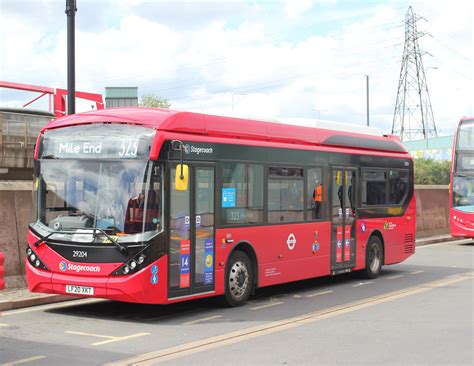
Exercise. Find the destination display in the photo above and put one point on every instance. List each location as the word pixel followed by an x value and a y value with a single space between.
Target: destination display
pixel 97 141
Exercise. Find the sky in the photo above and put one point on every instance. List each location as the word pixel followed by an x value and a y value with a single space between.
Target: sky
pixel 262 59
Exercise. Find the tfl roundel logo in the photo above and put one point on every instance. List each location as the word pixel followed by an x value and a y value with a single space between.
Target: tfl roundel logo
pixel 62 266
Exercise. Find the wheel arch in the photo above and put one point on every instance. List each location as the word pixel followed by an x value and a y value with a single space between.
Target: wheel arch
pixel 379 235
pixel 247 248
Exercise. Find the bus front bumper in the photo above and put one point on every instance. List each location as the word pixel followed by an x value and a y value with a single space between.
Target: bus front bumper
pixel 147 286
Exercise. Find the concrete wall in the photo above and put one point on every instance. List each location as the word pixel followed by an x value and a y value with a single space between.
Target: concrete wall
pixel 16 156
pixel 16 212
pixel 15 215
pixel 432 210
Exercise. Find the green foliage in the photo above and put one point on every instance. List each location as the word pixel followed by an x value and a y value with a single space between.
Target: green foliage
pixel 429 171
pixel 153 101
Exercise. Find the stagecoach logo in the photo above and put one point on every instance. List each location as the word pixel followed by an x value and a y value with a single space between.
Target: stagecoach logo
pixel 188 149
pixel 388 225
pixel 62 266
pixel 291 241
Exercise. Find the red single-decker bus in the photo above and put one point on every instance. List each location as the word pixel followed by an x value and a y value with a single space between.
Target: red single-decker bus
pixel 157 206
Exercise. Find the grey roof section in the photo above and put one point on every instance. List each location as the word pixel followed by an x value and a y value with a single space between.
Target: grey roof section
pixel 121 92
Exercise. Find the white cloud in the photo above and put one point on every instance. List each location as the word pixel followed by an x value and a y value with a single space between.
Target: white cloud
pixel 294 8
pixel 315 73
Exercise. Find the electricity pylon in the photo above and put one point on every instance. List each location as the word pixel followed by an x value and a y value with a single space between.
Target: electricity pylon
pixel 413 116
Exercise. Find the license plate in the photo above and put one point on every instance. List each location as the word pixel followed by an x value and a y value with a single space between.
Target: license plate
pixel 79 290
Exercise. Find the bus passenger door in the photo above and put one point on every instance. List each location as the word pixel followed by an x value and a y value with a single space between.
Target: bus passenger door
pixel 343 202
pixel 191 249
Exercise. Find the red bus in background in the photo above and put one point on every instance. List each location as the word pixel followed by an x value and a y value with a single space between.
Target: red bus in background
pixel 461 192
pixel 156 206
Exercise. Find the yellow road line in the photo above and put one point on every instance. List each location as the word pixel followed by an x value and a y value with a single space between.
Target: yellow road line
pixel 25 360
pixel 4 325
pixel 186 349
pixel 266 305
pixel 110 339
pixel 202 320
pixel 320 293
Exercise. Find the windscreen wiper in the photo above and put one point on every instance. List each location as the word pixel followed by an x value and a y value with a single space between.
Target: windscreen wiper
pixel 123 249
pixel 464 175
pixel 42 239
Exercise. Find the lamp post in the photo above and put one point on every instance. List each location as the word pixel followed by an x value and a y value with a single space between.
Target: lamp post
pixel 71 67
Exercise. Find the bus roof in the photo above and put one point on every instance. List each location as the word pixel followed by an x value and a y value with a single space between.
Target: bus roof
pixel 324 133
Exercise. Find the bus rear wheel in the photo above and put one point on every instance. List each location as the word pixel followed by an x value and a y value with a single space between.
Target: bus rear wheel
pixel 373 258
pixel 238 279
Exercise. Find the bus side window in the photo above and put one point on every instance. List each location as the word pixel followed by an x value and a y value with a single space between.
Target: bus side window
pixel 315 196
pixel 285 195
pixel 374 187
pixel 242 193
pixel 398 186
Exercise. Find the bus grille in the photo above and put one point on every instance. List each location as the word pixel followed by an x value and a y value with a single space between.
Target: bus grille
pixel 409 244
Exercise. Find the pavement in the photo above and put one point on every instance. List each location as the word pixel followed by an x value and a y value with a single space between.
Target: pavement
pixel 16 298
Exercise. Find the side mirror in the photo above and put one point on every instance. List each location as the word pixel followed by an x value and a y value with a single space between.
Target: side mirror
pixel 181 177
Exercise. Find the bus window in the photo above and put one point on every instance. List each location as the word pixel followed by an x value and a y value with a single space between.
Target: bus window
pixel 374 188
pixel 285 195
pixel 315 195
pixel 242 193
pixel 398 186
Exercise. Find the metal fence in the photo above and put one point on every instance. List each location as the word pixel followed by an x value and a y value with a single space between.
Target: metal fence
pixel 20 129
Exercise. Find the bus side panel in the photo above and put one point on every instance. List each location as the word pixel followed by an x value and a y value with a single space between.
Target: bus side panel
pixel 284 253
pixel 398 233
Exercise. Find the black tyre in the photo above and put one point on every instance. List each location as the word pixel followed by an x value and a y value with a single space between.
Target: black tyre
pixel 373 258
pixel 238 279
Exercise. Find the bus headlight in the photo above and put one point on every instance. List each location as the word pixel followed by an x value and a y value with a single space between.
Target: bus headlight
pixel 134 264
pixel 34 259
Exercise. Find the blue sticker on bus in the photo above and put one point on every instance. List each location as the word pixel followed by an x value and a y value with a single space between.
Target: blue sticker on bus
pixel 348 242
pixel 316 247
pixel 154 279
pixel 154 269
pixel 208 261
pixel 228 197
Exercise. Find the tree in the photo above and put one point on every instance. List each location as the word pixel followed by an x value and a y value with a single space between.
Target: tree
pixel 153 101
pixel 429 171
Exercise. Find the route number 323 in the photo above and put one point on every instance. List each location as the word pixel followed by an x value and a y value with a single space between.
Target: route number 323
pixel 128 148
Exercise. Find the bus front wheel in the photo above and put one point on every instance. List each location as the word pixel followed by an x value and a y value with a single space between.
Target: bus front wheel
pixel 373 258
pixel 239 279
